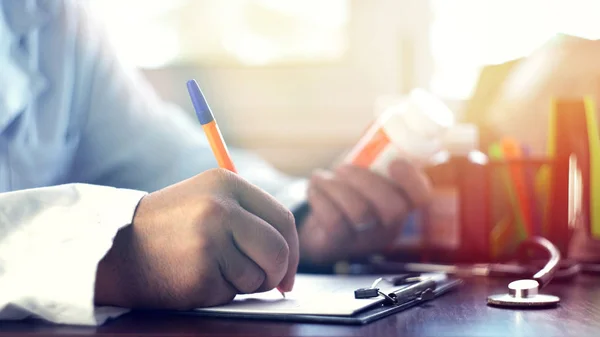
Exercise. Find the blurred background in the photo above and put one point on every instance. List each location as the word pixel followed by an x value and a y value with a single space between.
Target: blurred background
pixel 298 81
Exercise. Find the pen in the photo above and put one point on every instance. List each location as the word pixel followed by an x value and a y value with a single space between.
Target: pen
pixel 211 129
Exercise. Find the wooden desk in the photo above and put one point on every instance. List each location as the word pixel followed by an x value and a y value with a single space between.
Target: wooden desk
pixel 461 313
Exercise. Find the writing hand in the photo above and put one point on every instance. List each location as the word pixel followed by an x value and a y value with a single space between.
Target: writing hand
pixel 199 243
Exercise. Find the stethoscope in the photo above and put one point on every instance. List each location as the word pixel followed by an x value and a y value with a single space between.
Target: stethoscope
pixel 521 293
pixel 525 292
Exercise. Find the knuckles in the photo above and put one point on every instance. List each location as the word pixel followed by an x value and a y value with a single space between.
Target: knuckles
pixel 213 209
pixel 213 214
pixel 218 173
pixel 221 177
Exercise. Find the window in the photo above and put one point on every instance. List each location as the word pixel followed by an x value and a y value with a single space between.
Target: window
pixel 155 33
pixel 468 34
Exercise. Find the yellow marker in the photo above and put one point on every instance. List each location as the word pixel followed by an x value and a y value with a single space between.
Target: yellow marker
pixel 594 149
pixel 543 178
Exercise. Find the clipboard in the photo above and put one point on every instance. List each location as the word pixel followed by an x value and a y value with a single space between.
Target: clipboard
pixel 393 299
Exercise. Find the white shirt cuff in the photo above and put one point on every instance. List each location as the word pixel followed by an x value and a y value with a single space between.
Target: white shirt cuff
pixel 51 240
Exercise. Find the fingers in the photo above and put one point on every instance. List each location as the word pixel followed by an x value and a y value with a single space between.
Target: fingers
pixel 325 232
pixel 331 219
pixel 267 208
pixel 358 210
pixel 412 181
pixel 279 218
pixel 264 245
pixel 329 226
pixel 392 201
pixel 240 271
pixel 218 293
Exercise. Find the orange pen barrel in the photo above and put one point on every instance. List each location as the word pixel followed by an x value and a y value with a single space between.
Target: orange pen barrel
pixel 218 146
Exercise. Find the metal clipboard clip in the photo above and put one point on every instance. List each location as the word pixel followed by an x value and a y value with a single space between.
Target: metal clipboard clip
pixel 420 289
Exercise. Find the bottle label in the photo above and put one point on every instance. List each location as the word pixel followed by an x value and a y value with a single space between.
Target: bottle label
pixel 378 142
pixel 443 218
pixel 377 153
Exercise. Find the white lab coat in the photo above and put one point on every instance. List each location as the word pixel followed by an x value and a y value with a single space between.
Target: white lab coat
pixel 82 140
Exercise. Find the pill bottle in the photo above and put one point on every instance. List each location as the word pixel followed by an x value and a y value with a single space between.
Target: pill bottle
pixel 412 129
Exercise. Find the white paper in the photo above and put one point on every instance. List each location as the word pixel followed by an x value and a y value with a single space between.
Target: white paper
pixel 312 295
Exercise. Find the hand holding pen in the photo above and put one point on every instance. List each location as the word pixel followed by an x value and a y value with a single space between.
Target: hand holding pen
pixel 217 144
pixel 200 242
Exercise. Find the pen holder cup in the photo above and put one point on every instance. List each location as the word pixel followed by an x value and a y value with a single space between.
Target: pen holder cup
pixel 498 204
pixel 532 197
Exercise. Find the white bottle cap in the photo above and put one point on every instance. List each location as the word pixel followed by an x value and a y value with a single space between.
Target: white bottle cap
pixel 461 139
pixel 417 125
pixel 427 113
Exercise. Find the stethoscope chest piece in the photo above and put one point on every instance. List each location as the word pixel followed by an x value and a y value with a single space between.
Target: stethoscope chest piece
pixel 523 293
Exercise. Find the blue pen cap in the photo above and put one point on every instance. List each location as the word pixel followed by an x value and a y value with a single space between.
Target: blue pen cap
pixel 203 112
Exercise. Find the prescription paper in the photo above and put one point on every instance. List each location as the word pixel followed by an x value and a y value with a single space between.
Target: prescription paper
pixel 312 295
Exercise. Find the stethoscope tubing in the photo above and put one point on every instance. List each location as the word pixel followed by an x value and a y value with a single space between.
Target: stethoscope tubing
pixel 548 271
pixel 551 267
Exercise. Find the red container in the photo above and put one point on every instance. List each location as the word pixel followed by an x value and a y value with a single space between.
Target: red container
pixel 486 216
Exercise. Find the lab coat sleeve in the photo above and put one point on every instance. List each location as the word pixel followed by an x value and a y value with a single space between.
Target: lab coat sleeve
pixel 51 240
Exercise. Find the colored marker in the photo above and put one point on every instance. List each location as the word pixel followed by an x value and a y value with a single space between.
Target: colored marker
pixel 496 153
pixel 594 168
pixel 543 179
pixel 536 216
pixel 512 151
pixel 500 233
pixel 210 127
pixel 503 232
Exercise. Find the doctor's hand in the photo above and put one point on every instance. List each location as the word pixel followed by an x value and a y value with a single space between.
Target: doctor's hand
pixel 355 212
pixel 199 243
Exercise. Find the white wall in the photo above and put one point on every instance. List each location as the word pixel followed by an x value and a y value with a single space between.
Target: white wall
pixel 301 117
